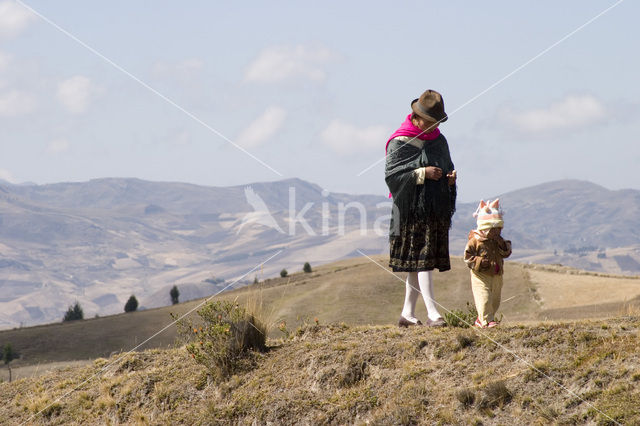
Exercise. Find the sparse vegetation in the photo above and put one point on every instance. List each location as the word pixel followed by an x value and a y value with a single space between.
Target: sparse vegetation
pixel 458 318
pixel 175 295
pixel 307 268
pixel 131 305
pixel 495 395
pixel 225 339
pixel 74 313
pixel 466 397
pixel 341 374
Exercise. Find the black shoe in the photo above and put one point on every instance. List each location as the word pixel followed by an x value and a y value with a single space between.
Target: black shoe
pixel 403 322
pixel 436 323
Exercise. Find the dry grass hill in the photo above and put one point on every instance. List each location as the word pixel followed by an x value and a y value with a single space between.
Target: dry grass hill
pixel 352 365
pixel 356 291
pixel 571 373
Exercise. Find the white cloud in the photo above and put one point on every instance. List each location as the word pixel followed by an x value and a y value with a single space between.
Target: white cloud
pixel 7 176
pixel 76 93
pixel 13 19
pixel 57 146
pixel 574 111
pixel 14 103
pixel 346 139
pixel 262 128
pixel 277 63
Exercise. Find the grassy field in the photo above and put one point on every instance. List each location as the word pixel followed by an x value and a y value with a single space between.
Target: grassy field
pixel 565 373
pixel 356 291
pixel 566 293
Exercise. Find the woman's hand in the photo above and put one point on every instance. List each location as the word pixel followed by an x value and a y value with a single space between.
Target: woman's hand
pixel 452 177
pixel 433 173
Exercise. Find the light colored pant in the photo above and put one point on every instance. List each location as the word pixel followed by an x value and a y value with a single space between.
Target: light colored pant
pixel 486 294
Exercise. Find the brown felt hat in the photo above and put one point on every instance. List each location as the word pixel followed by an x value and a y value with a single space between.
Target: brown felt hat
pixel 430 106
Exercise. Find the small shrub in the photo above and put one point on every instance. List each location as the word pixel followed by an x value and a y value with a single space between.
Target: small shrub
pixel 466 397
pixel 284 273
pixel 307 268
pixel 458 318
pixel 495 395
pixel 226 340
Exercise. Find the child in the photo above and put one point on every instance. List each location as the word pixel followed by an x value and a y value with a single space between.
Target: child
pixel 484 254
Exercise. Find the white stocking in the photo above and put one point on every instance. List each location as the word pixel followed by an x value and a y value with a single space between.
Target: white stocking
pixel 426 287
pixel 411 297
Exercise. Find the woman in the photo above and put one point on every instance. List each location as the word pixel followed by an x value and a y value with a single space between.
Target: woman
pixel 422 180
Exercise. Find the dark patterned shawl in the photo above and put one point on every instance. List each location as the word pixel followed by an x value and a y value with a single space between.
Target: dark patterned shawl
pixel 434 198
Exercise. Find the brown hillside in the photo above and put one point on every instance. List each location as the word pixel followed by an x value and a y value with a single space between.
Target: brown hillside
pixel 571 373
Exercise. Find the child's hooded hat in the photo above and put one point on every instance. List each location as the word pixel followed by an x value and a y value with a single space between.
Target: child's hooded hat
pixel 489 215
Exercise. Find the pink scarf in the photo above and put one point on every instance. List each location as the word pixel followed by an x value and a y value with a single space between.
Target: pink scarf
pixel 408 129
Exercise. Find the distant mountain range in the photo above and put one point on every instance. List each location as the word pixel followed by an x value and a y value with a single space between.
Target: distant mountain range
pixel 100 241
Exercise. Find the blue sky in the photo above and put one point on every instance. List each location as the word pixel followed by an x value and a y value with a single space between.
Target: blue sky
pixel 313 91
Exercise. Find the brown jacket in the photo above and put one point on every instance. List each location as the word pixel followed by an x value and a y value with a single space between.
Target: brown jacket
pixel 484 255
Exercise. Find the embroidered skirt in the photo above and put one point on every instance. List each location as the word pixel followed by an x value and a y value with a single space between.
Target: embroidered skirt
pixel 421 246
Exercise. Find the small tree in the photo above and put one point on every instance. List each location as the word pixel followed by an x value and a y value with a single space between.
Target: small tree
pixel 306 268
pixel 8 355
pixel 74 313
pixel 131 305
pixel 284 273
pixel 255 280
pixel 175 294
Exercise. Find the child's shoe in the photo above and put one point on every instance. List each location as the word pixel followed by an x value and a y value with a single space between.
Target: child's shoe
pixel 492 324
pixel 479 324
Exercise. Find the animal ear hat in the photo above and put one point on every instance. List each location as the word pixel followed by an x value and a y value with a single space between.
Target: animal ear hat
pixel 489 215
